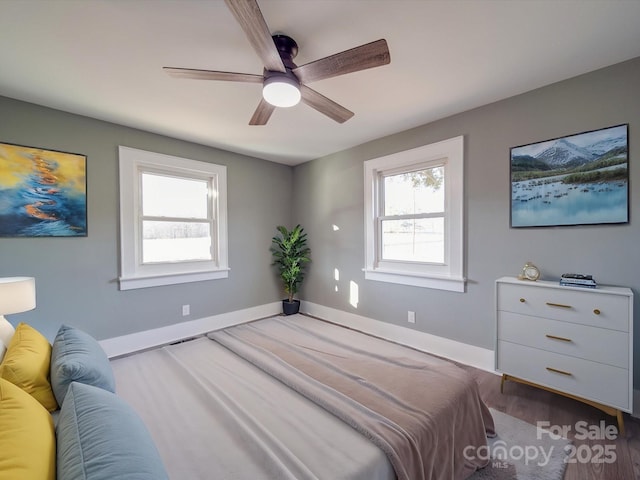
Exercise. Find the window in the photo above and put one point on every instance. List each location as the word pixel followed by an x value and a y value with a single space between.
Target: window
pixel 414 217
pixel 173 220
pixel 176 227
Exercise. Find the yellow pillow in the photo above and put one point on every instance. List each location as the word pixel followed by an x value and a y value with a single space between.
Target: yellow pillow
pixel 26 365
pixel 27 436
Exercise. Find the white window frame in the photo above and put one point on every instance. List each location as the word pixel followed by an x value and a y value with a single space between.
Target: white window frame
pixel 133 273
pixel 448 275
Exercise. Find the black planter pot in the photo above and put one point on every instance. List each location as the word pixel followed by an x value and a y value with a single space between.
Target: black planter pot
pixel 289 308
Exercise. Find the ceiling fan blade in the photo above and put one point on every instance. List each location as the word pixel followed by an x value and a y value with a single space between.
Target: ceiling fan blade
pixel 212 75
pixel 249 16
pixel 324 105
pixel 262 114
pixel 370 55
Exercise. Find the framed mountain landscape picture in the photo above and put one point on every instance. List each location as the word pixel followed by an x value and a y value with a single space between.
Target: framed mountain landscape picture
pixel 580 179
pixel 43 193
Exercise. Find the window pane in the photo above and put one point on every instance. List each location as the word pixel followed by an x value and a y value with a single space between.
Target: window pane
pixel 164 196
pixel 416 192
pixel 175 241
pixel 420 240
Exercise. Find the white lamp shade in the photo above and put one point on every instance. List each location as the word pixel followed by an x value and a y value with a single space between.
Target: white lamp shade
pixel 17 294
pixel 281 92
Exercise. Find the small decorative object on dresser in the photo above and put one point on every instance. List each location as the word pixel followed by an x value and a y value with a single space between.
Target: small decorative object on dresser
pixel 568 340
pixel 529 272
pixel 578 280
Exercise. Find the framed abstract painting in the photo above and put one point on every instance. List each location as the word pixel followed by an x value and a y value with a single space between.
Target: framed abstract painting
pixel 43 193
pixel 580 179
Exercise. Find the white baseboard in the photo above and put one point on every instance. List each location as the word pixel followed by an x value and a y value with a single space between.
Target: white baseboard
pixel 461 352
pixel 135 342
pixel 478 357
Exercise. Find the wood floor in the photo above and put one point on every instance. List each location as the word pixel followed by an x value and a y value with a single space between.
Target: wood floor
pixel 532 404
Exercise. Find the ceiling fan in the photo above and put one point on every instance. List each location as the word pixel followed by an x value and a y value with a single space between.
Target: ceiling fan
pixel 284 83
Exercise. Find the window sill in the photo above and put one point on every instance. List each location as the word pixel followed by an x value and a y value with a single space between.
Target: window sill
pixel 453 284
pixel 132 283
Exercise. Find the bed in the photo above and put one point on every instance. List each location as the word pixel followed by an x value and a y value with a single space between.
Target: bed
pixel 300 398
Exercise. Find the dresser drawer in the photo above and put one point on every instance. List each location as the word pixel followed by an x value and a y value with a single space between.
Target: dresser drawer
pixel 582 341
pixel 591 380
pixel 582 306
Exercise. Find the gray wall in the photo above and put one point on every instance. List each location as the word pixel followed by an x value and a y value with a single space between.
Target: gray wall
pixel 76 277
pixel 329 191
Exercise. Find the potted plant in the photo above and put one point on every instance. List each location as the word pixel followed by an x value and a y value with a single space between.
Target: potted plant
pixel 290 255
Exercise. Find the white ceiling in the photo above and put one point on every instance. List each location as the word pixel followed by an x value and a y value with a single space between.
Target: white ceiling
pixel 104 59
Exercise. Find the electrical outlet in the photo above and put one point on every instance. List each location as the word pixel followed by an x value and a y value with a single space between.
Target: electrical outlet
pixel 411 317
pixel 186 310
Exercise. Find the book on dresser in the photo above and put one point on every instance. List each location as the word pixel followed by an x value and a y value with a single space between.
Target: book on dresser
pixel 578 280
pixel 581 283
pixel 571 341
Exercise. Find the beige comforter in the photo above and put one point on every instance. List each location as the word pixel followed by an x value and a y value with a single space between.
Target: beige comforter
pixel 420 410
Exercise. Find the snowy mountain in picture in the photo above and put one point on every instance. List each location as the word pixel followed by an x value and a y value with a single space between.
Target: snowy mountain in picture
pixel 563 152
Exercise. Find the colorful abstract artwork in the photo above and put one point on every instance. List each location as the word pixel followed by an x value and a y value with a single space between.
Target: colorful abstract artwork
pixel 43 193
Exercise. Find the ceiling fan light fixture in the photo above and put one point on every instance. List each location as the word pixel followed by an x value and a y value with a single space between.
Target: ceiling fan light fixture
pixel 281 91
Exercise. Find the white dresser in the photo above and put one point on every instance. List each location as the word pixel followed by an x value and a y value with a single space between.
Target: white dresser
pixel 570 340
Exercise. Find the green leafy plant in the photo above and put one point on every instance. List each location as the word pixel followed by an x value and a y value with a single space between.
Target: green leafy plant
pixel 290 254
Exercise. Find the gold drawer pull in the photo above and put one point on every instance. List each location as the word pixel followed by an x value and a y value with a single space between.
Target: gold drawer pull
pixel 553 337
pixel 596 311
pixel 522 300
pixel 558 305
pixel 561 372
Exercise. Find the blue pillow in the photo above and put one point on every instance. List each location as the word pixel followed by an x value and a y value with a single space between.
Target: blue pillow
pixel 100 437
pixel 77 357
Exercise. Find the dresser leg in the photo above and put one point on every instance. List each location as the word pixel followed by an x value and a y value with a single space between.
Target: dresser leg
pixel 504 377
pixel 620 422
